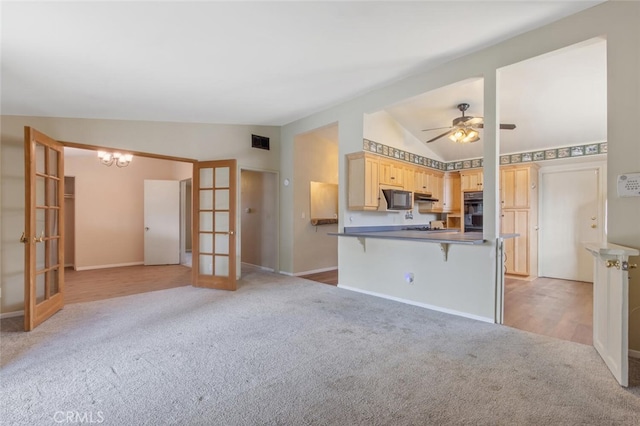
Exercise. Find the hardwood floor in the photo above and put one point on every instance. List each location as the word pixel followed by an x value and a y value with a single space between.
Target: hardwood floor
pixel 551 307
pixel 98 284
pixel 326 277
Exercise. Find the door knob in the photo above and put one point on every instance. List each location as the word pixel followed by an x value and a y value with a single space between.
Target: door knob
pixel 593 225
pixel 23 239
pixel 231 233
pixel 593 218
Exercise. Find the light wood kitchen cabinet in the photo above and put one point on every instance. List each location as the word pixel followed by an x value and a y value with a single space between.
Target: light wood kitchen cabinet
pixel 363 181
pixel 367 172
pixel 452 196
pixel 436 188
pixel 391 172
pixel 421 182
pixel 409 178
pixel 516 250
pixel 471 180
pixel 519 214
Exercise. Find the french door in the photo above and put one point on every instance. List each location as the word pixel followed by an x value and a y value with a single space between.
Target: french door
pixel 214 220
pixel 44 228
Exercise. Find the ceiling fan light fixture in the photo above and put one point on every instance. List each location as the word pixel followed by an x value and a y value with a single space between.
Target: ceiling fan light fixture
pixel 467 135
pixel 464 128
pixel 472 136
pixel 458 135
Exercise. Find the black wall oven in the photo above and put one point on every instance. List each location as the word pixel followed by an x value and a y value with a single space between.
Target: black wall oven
pixel 473 211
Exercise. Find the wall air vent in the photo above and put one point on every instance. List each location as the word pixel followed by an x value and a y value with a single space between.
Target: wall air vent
pixel 261 142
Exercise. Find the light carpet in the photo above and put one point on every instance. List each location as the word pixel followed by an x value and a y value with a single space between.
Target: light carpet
pixel 287 351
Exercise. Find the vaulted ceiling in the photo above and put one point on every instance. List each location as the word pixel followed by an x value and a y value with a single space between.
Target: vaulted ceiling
pixel 558 99
pixel 269 63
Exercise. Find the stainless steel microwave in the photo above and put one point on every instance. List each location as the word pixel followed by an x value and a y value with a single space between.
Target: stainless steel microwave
pixel 395 199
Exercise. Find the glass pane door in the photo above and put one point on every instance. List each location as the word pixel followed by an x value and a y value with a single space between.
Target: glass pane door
pixel 44 275
pixel 215 217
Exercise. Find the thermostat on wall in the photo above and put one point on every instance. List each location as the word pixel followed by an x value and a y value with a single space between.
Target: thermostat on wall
pixel 629 185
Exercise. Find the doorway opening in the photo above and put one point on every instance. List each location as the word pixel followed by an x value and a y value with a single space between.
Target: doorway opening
pixel 107 204
pixel 555 298
pixel 259 219
pixel 315 198
pixel 559 303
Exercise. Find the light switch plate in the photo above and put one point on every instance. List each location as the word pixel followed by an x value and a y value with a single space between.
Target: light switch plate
pixel 629 185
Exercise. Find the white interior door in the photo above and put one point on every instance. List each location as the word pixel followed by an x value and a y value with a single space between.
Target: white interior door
pixel 570 214
pixel 161 222
pixel 611 306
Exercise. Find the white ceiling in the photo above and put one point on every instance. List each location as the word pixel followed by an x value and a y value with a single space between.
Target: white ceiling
pixel 558 99
pixel 251 62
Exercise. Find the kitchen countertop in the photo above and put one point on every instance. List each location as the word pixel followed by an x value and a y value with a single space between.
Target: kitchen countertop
pixel 446 236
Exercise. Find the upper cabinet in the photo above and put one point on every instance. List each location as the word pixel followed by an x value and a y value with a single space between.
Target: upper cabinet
pixel 436 189
pixel 421 181
pixel 451 197
pixel 517 184
pixel 363 181
pixel 391 172
pixel 367 172
pixel 471 180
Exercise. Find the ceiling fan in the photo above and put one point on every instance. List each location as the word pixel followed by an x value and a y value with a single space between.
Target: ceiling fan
pixel 464 129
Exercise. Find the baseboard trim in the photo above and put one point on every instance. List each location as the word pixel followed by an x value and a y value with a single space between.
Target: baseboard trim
pixel 634 354
pixel 419 304
pixel 114 265
pixel 263 268
pixel 315 271
pixel 11 314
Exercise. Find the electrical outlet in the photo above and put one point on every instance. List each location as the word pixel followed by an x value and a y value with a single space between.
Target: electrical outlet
pixel 408 277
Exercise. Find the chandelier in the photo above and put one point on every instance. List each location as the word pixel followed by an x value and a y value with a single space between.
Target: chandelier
pixel 109 158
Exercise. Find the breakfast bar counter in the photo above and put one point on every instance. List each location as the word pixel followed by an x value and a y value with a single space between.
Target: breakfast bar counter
pixel 452 236
pixel 444 237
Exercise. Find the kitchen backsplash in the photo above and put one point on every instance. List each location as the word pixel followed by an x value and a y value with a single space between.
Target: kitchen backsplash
pixel 521 157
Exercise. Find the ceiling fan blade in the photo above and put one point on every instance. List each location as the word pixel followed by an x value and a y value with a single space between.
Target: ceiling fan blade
pixel 473 121
pixel 447 133
pixel 436 128
pixel 502 126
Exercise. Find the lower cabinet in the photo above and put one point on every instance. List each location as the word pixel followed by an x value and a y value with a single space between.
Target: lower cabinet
pixel 517 250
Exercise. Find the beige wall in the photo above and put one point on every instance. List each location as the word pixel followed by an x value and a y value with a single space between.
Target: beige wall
pixel 471 271
pixel 109 207
pixel 186 140
pixel 259 222
pixel 316 157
